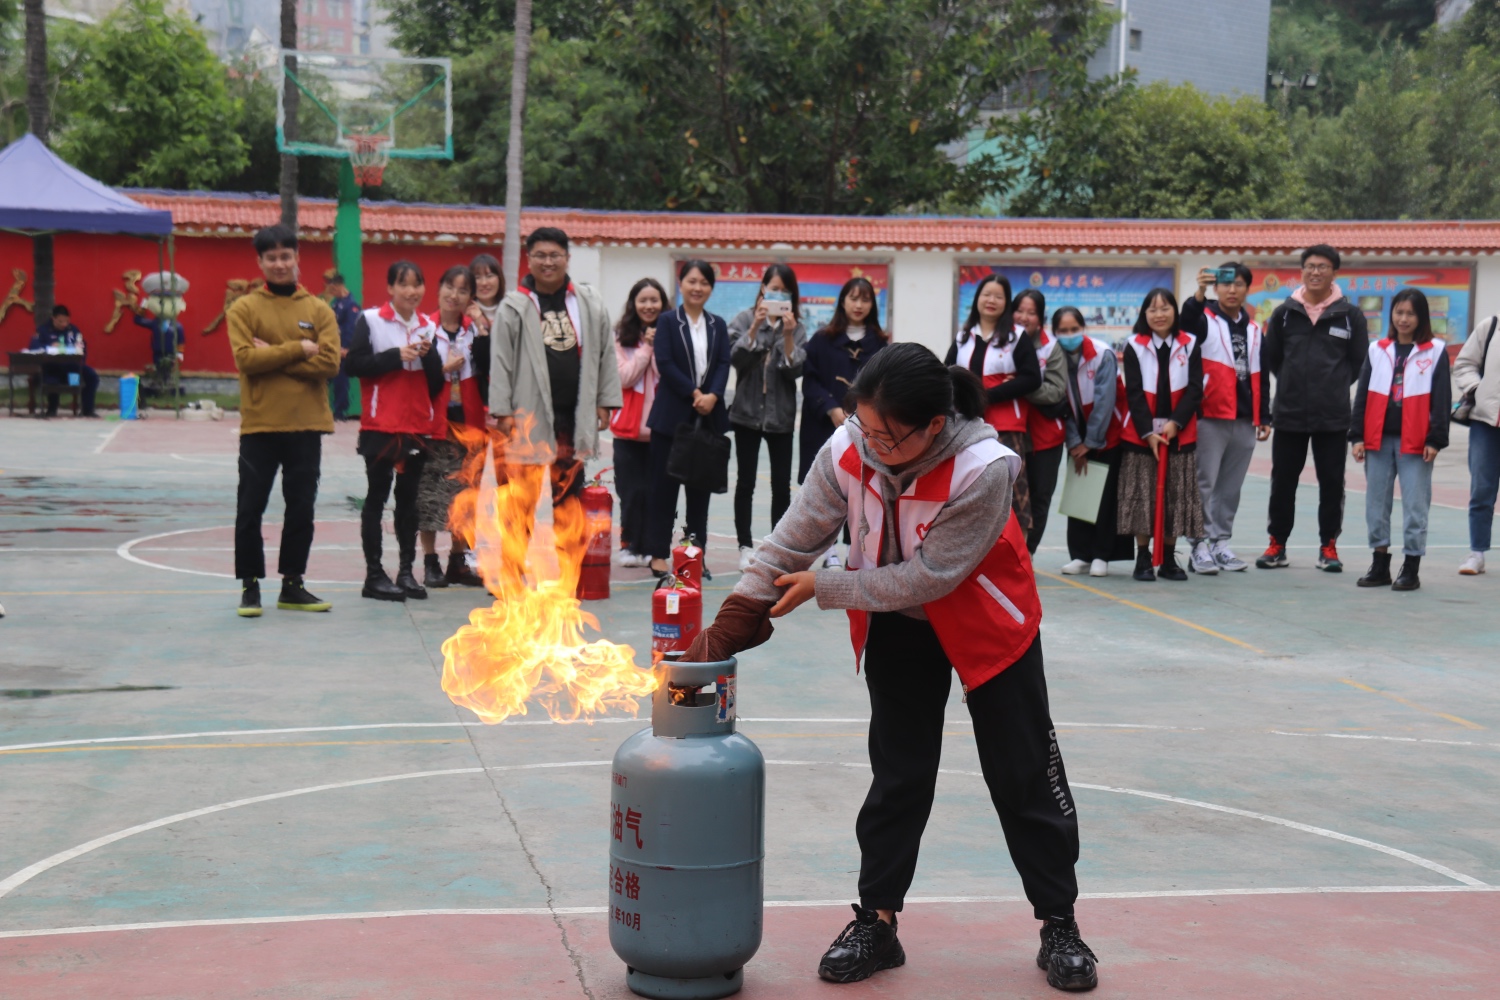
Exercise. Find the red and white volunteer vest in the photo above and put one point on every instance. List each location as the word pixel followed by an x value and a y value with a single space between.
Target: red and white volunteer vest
pixel 1091 354
pixel 999 368
pixel 1046 432
pixel 1220 379
pixel 396 402
pixel 468 387
pixel 1416 392
pixel 1145 353
pixel 985 623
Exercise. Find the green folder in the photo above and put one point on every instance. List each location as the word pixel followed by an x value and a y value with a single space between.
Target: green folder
pixel 1082 495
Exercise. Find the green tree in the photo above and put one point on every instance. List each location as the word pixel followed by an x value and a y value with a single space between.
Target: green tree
pixel 458 27
pixel 149 104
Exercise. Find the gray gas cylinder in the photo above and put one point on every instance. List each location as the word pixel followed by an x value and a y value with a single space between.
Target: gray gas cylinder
pixel 687 840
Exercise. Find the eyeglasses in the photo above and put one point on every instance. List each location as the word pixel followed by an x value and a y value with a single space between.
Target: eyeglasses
pixel 547 258
pixel 879 442
pixel 1318 268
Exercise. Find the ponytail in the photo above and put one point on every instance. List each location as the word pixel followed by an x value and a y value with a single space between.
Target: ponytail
pixel 908 384
pixel 968 392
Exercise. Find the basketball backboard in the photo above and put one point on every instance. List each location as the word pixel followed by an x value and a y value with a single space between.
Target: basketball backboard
pixel 346 99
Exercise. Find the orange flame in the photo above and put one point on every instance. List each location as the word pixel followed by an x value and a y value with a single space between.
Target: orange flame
pixel 529 645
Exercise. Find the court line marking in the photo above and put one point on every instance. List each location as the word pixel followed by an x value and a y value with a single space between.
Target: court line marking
pixel 542 911
pixel 107 438
pixel 124 552
pixel 31 871
pixel 611 720
pixel 229 746
pixel 1152 611
pixel 1390 739
pixel 1409 703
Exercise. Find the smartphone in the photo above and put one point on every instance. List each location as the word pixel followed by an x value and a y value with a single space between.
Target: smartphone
pixel 1226 276
pixel 778 304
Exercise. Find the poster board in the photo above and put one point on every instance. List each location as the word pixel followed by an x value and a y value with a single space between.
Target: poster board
pixel 1449 292
pixel 737 282
pixel 1108 297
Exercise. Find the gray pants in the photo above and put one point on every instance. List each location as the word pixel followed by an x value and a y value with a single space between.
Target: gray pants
pixel 1225 448
pixel 1382 469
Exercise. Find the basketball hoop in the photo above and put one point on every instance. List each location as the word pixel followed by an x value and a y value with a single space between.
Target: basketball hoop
pixel 369 153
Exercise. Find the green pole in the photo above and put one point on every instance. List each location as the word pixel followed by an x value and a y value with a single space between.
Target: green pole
pixel 348 241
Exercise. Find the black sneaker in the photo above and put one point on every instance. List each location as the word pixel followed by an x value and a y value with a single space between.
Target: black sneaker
pixel 866 946
pixel 294 597
pixel 1068 962
pixel 250 600
pixel 1169 568
pixel 1143 571
pixel 432 572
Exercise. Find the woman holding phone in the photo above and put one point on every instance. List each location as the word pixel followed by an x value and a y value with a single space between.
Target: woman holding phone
pixel 769 345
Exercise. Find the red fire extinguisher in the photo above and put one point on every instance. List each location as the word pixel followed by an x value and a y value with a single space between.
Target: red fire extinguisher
pixel 687 562
pixel 676 616
pixel 598 512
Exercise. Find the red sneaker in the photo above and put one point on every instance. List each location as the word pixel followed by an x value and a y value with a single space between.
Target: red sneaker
pixel 1328 559
pixel 1273 557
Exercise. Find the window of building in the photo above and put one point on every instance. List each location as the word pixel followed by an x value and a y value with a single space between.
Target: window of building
pixel 337 11
pixel 336 39
pixel 1135 39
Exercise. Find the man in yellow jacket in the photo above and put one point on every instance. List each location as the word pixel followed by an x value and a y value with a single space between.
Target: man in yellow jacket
pixel 286 347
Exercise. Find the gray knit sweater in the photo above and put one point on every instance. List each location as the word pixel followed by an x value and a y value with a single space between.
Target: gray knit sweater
pixel 958 539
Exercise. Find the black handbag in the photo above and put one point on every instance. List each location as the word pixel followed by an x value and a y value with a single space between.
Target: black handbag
pixel 1463 413
pixel 699 458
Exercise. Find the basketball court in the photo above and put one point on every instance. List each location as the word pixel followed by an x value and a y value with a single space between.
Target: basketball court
pixel 1286 786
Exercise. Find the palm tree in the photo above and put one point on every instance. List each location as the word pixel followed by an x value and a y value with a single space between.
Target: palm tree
pixel 39 116
pixel 511 253
pixel 291 100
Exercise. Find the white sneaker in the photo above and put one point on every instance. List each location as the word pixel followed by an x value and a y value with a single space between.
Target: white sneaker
pixel 626 558
pixel 1202 561
pixel 747 556
pixel 1472 566
pixel 1077 567
pixel 1227 560
pixel 832 560
pixel 1098 568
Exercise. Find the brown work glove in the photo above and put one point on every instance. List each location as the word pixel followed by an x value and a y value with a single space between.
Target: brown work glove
pixel 741 624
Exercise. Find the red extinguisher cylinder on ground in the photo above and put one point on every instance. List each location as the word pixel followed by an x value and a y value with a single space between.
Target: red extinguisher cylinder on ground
pixel 598 512
pixel 676 617
pixel 687 563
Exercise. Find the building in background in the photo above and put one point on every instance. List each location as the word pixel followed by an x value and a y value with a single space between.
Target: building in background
pixel 1219 46
pixel 235 27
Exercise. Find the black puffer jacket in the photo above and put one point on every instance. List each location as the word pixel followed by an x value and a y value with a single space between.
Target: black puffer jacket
pixel 1314 364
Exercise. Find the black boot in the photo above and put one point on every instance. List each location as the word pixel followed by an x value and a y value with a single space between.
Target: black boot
pixel 408 583
pixel 1143 571
pixel 1407 578
pixel 379 586
pixel 1380 572
pixel 1069 963
pixel 459 573
pixel 250 599
pixel 1169 568
pixel 432 572
pixel 866 946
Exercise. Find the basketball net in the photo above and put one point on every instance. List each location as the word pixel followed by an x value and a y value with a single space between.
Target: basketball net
pixel 369 155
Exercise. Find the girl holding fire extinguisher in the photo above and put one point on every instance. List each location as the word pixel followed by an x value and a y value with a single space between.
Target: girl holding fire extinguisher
pixel 918 475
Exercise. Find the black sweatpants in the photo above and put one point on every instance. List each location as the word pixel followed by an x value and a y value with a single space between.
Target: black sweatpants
pixel 1288 459
pixel 403 465
pixel 909 676
pixel 662 512
pixel 747 458
pixel 1042 468
pixel 633 484
pixel 299 456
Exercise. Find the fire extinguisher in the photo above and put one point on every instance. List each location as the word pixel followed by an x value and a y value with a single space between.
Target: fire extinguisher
pixel 598 513
pixel 676 616
pixel 687 561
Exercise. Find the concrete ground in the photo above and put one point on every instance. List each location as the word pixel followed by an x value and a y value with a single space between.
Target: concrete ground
pixel 1287 786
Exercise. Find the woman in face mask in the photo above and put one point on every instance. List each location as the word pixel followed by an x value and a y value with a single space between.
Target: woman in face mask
pixel 1091 428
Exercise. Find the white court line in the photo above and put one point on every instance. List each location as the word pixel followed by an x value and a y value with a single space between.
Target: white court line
pixel 124 552
pixel 542 911
pixel 233 461
pixel 482 725
pixel 1388 739
pixel 107 438
pixel 32 871
pixel 59 548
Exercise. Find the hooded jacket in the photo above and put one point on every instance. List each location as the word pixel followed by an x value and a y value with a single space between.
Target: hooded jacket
pixel 1314 364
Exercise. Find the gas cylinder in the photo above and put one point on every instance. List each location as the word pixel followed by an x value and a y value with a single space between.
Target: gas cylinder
pixel 687 840
pixel 598 512
pixel 687 561
pixel 676 616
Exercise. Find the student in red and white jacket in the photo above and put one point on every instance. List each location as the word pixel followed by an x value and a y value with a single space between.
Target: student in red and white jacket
pixel 452 332
pixel 1236 408
pixel 1400 423
pixel 1046 408
pixel 941 582
pixel 399 374
pixel 994 347
pixel 1163 387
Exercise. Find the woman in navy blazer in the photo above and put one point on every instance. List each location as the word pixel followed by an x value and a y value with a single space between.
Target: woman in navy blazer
pixel 684 394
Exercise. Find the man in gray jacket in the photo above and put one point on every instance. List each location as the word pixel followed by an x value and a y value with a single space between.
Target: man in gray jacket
pixel 553 378
pixel 1477 368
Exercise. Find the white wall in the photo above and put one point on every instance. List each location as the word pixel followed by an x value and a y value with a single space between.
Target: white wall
pixel 922 290
pixel 1486 288
pixel 622 267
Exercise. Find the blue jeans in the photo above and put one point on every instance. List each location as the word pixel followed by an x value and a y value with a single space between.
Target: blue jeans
pixel 1484 477
pixel 1382 469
